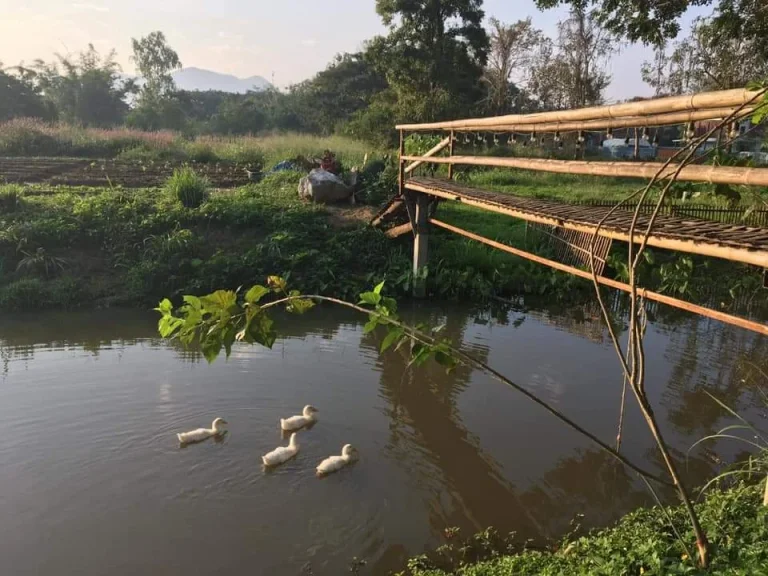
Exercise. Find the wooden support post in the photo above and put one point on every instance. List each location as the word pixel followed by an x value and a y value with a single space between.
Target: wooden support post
pixel 401 166
pixel 420 245
pixel 452 136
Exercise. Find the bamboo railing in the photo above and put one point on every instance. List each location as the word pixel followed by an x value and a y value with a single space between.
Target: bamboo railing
pixel 735 175
pixel 693 103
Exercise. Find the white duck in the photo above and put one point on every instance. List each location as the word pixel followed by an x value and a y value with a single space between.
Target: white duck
pixel 282 453
pixel 216 429
pixel 297 422
pixel 349 454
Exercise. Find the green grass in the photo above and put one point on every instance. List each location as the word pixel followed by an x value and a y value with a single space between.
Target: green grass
pixel 27 137
pixel 643 543
pixel 133 246
pixel 188 187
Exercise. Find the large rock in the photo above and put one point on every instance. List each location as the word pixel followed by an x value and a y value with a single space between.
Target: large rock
pixel 322 186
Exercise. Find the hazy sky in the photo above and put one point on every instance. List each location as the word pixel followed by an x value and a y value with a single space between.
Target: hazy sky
pixel 291 39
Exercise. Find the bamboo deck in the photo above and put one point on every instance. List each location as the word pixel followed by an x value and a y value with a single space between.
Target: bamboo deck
pixel 731 242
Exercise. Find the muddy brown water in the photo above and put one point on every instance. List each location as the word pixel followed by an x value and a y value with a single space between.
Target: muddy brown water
pixel 93 482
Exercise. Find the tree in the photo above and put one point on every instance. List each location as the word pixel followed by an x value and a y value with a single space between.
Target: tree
pixel 433 57
pixel 19 97
pixel 656 21
pixel 575 74
pixel 87 89
pixel 155 61
pixel 706 60
pixel 335 94
pixel 238 115
pixel 512 50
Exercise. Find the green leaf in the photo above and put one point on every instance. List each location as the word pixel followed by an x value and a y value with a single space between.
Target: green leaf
pixel 255 294
pixel 370 298
pixel 300 306
pixel 379 286
pixel 165 307
pixel 446 360
pixel 228 338
pixel 259 329
pixel 211 347
pixel 370 326
pixel 393 335
pixel 168 325
pixel 277 283
pixel 220 301
pixel 193 302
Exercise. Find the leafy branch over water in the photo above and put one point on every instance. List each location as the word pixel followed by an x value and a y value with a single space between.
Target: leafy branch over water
pixel 220 319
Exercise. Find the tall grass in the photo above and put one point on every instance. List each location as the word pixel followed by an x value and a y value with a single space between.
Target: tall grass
pixel 28 137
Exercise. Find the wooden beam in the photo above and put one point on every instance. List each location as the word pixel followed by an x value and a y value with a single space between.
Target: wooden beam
pixel 420 245
pixel 398 231
pixel 616 123
pixel 451 149
pixel 755 257
pixel 443 143
pixel 735 175
pixel 706 100
pixel 661 298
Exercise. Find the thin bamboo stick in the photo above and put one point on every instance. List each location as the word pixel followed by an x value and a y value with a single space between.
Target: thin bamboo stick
pixel 647 294
pixel 735 175
pixel 705 100
pixel 443 143
pixel 614 123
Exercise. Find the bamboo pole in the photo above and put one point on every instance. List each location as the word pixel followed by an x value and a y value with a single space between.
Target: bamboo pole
pixel 671 119
pixel 451 151
pixel 443 143
pixel 656 297
pixel 754 257
pixel 734 175
pixel 705 100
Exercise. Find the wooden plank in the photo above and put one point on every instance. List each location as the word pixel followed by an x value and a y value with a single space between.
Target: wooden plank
pixel 705 100
pixel 642 292
pixel 697 246
pixel 421 245
pixel 735 175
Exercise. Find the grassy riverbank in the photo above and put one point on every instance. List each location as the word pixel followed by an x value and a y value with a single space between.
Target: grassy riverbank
pixel 642 543
pixel 63 246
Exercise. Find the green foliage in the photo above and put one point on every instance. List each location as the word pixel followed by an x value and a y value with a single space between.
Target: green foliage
pixel 10 197
pixel 88 90
pixel 40 262
pixel 155 60
pixel 36 294
pixel 641 543
pixel 188 187
pixel 218 320
pixel 20 97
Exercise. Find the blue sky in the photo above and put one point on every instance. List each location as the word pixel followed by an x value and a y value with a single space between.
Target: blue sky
pixel 291 39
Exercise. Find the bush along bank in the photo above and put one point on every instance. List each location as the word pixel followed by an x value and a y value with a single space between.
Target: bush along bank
pixel 66 247
pixel 641 543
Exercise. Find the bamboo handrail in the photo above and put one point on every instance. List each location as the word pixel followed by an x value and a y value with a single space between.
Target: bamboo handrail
pixel 642 292
pixel 735 175
pixel 705 100
pixel 443 143
pixel 613 123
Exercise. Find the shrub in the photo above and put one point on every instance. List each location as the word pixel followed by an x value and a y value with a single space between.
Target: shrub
pixel 10 196
pixel 202 152
pixel 188 187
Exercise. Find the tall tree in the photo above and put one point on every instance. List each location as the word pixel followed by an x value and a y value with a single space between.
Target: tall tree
pixel 706 60
pixel 19 96
pixel 511 54
pixel 573 74
pixel 434 55
pixel 656 21
pixel 155 60
pixel 86 89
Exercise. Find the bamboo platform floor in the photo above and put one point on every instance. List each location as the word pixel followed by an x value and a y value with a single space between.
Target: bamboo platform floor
pixel 731 242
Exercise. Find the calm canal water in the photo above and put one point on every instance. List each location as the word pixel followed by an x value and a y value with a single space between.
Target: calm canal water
pixel 93 482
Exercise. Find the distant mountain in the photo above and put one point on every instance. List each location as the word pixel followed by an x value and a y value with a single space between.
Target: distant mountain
pixel 199 79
